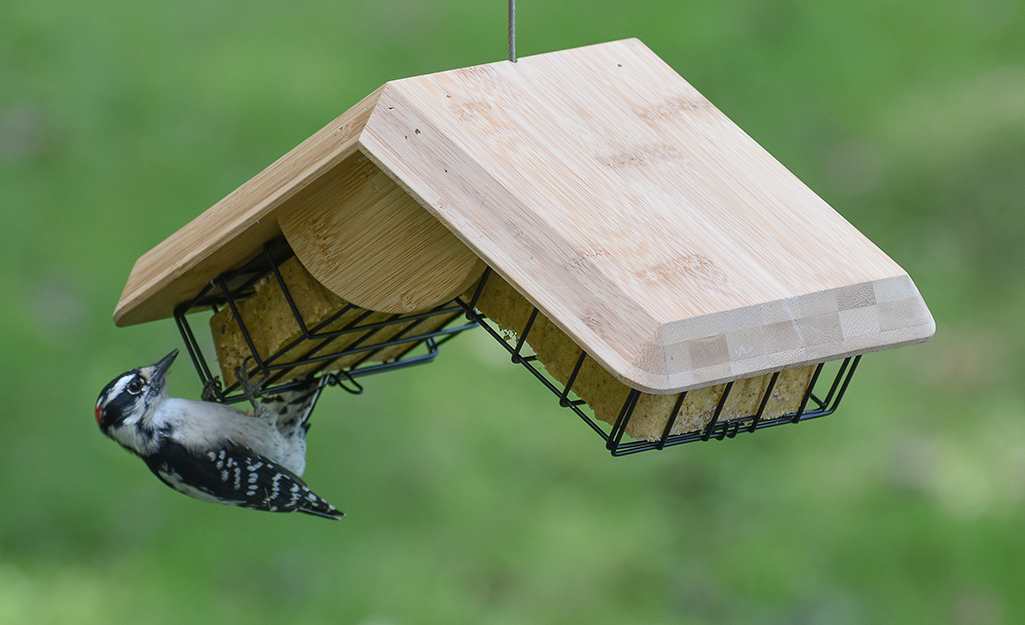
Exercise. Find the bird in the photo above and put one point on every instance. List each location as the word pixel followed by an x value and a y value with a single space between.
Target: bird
pixel 212 451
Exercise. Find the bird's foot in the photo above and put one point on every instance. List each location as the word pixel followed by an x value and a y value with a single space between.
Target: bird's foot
pixel 249 388
pixel 211 390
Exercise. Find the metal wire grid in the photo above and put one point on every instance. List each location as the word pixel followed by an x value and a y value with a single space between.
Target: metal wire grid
pixel 812 406
pixel 231 288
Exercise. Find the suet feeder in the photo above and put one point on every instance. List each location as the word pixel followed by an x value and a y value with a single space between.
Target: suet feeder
pixel 655 268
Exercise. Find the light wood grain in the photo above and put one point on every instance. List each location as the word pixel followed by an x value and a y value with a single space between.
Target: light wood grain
pixel 365 239
pixel 233 230
pixel 640 219
pixel 609 193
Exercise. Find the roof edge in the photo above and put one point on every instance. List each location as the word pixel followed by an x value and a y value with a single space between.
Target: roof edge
pixel 820 327
pixel 228 233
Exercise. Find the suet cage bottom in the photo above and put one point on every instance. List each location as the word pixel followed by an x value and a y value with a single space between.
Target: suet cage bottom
pixel 406 347
pixel 370 335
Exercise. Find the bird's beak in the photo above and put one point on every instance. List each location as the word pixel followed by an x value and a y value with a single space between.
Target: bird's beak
pixel 160 370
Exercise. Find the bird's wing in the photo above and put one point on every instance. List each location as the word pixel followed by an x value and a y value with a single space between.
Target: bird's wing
pixel 235 475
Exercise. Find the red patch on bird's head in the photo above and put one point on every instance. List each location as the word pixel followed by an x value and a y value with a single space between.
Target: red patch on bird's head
pixel 99 414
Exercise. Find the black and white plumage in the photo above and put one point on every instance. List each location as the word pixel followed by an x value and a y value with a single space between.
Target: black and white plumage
pixel 212 451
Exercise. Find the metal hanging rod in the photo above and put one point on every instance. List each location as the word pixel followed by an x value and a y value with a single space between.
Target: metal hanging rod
pixel 512 30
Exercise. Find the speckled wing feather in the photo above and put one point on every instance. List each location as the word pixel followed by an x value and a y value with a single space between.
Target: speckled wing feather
pixel 236 475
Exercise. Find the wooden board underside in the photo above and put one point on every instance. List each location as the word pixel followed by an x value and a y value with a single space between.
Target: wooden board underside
pixel 633 213
pixel 366 240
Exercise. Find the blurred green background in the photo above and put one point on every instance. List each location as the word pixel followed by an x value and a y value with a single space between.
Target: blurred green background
pixel 472 497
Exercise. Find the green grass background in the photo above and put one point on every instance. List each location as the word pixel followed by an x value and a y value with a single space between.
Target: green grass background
pixel 472 497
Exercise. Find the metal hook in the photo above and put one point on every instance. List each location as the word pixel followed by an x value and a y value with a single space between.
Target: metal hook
pixel 334 379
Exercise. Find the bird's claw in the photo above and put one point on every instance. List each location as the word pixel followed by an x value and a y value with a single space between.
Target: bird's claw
pixel 249 388
pixel 211 390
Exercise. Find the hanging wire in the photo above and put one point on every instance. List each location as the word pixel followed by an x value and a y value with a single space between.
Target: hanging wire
pixel 512 30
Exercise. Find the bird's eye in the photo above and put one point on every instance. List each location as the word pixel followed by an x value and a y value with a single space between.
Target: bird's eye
pixel 135 386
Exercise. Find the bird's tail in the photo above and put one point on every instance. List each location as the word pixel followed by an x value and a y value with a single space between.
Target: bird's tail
pixel 291 409
pixel 321 508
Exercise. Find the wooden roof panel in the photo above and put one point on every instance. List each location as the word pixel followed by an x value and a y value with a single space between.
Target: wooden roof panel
pixel 232 231
pixel 633 213
pixel 613 196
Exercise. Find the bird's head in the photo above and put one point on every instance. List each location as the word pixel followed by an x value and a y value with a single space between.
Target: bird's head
pixel 132 395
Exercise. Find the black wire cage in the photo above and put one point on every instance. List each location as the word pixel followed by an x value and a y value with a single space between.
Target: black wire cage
pixel 370 342
pixel 373 344
pixel 828 384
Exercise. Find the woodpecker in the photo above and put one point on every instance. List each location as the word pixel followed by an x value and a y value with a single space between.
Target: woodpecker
pixel 212 451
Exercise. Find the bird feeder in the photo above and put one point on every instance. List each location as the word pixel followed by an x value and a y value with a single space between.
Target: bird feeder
pixel 655 268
